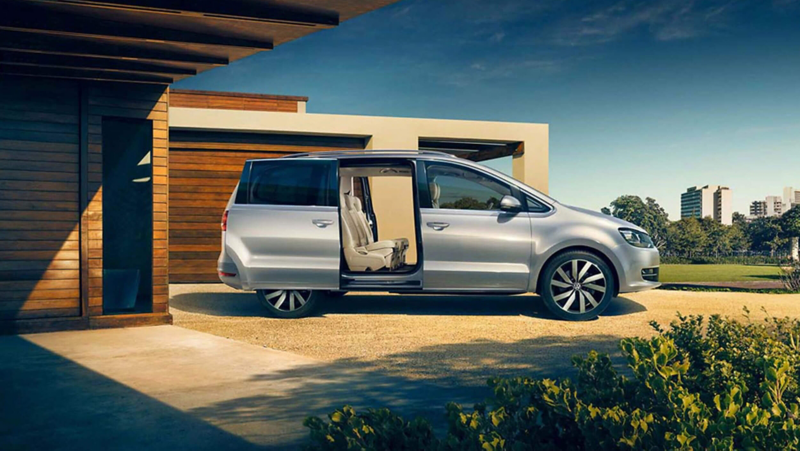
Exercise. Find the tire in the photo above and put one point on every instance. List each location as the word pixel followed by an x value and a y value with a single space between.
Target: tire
pixel 335 294
pixel 581 300
pixel 288 303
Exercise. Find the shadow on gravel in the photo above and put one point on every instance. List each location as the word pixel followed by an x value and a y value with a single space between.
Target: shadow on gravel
pixel 247 304
pixel 397 384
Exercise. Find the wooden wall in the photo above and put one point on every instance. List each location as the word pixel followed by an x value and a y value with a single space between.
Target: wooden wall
pixel 51 228
pixel 234 101
pixel 204 169
pixel 39 199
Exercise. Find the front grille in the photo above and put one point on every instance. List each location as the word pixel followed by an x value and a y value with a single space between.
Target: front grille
pixel 650 274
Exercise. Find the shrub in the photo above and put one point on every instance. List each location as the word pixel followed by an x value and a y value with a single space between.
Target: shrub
pixel 716 384
pixel 790 276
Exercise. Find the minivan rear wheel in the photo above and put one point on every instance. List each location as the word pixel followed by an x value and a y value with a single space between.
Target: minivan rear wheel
pixel 577 286
pixel 288 303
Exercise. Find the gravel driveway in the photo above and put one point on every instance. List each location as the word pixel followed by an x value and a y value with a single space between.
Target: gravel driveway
pixel 451 339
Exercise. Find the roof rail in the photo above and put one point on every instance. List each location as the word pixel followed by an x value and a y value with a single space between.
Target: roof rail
pixel 336 153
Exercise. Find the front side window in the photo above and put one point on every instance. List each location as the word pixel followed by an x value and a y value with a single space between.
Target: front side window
pixel 303 183
pixel 457 188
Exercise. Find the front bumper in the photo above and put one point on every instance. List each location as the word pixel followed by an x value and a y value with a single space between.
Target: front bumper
pixel 633 261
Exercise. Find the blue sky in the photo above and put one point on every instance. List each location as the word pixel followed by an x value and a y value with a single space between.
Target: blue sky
pixel 644 98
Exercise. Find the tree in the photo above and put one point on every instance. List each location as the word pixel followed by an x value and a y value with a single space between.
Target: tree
pixel 717 239
pixel 790 224
pixel 645 214
pixel 739 219
pixel 767 234
pixel 737 237
pixel 686 237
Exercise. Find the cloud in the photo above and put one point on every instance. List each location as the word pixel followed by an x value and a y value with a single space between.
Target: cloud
pixel 497 37
pixel 665 20
pixel 490 71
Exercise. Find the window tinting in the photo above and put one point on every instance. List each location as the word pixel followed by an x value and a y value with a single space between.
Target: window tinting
pixel 307 183
pixel 459 188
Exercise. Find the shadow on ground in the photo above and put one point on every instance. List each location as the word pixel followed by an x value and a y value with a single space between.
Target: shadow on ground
pixel 49 402
pixel 359 384
pixel 246 304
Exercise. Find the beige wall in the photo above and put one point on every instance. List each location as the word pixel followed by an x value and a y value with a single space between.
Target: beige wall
pixel 388 133
pixel 394 213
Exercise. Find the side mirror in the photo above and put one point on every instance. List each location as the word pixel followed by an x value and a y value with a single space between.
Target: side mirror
pixel 510 204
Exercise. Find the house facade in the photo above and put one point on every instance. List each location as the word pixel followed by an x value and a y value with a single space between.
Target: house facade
pixel 112 185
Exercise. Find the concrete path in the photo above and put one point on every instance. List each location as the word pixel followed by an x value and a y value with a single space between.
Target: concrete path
pixel 172 388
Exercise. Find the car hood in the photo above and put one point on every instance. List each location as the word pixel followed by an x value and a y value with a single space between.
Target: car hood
pixel 616 222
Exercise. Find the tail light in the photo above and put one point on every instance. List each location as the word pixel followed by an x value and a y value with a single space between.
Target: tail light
pixel 224 223
pixel 227 274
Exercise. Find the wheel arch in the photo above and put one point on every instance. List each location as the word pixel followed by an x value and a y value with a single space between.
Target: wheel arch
pixel 596 252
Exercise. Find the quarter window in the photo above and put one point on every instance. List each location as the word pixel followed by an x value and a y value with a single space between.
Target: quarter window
pixel 458 188
pixel 304 183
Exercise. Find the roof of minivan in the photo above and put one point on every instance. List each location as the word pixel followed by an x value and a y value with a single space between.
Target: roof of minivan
pixel 370 153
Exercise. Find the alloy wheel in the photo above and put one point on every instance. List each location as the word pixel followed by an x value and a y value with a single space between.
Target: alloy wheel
pixel 286 300
pixel 578 286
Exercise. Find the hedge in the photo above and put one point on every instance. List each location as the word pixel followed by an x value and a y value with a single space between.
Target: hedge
pixel 697 385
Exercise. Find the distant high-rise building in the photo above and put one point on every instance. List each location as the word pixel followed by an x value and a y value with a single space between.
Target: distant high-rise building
pixel 790 198
pixel 758 208
pixel 723 205
pixel 774 205
pixel 712 201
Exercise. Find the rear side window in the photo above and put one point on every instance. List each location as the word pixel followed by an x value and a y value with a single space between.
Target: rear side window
pixel 292 182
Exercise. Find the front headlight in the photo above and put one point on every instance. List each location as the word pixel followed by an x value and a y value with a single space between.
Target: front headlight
pixel 636 238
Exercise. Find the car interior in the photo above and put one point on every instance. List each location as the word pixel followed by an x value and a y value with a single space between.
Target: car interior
pixel 362 250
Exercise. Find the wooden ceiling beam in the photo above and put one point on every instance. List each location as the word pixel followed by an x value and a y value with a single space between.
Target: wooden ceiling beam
pixel 83 62
pixel 27 17
pixel 84 74
pixel 263 11
pixel 63 45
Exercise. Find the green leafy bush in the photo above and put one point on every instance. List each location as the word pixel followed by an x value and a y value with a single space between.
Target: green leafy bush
pixel 720 384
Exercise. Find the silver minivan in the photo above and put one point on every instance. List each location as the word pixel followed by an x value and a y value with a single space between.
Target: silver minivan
pixel 304 227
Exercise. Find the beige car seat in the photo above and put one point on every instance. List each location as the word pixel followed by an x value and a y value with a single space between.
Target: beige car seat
pixel 436 191
pixel 358 256
pixel 400 245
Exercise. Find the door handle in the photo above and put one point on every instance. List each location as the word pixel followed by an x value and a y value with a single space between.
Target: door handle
pixel 438 225
pixel 322 223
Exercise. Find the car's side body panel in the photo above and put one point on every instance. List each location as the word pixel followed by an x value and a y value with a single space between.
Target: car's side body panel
pixel 286 247
pixel 476 250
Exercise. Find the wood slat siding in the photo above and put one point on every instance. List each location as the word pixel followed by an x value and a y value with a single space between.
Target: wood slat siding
pixel 51 225
pixel 204 167
pixel 135 102
pixel 39 199
pixel 234 101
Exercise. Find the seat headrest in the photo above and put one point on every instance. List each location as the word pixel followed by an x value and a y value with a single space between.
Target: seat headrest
pixel 356 202
pixel 348 201
pixel 435 191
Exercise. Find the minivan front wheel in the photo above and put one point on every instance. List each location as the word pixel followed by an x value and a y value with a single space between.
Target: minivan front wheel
pixel 288 303
pixel 577 286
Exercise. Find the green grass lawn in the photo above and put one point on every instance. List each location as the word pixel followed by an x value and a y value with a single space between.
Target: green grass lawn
pixel 717 273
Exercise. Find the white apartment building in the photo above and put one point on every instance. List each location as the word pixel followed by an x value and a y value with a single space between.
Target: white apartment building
pixel 790 197
pixel 774 205
pixel 712 201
